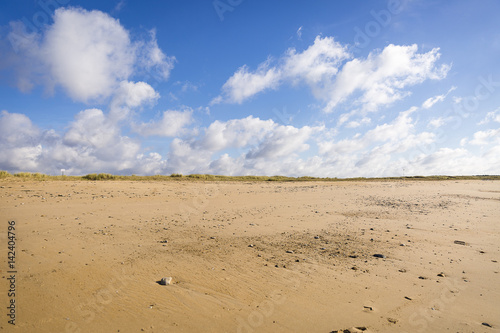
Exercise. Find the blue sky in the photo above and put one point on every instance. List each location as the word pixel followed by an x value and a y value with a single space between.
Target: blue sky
pixel 329 88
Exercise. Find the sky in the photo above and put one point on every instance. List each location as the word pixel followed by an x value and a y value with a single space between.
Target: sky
pixel 238 87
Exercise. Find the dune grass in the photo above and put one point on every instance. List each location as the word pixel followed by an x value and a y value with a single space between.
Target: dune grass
pixel 206 177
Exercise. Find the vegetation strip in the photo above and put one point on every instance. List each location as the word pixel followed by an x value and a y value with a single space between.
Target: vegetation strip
pixel 206 177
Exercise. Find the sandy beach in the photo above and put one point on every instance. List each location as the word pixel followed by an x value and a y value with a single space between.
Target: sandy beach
pixel 374 256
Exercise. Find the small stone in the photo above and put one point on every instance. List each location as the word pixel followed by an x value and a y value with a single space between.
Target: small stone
pixel 166 281
pixel 289 251
pixel 422 278
pixel 460 242
pixel 408 298
pixel 402 270
pixel 441 274
pixel 251 245
pixel 316 237
pixel 378 255
pixel 353 256
pixel 402 244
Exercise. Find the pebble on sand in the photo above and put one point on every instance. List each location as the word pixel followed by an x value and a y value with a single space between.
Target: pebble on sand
pixel 166 281
pixel 378 255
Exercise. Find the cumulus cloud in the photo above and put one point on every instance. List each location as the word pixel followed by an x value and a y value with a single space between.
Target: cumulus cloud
pixel 152 58
pixel 92 143
pixel 482 138
pixel 379 80
pixel 19 141
pixel 130 95
pixel 95 143
pixel 243 84
pixel 397 134
pixel 315 66
pixel 87 53
pixel 283 141
pixel 171 124
pixel 259 143
pixel 234 133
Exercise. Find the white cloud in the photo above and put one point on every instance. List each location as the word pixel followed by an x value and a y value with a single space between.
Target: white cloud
pixel 152 58
pixel 234 133
pixel 91 128
pixel 491 116
pixel 259 144
pixel 17 128
pixel 433 100
pixel 315 66
pixel 87 53
pixel 394 134
pixel 299 33
pixel 19 142
pixel 355 124
pixel 282 141
pixel 378 80
pixel 382 77
pixel 134 94
pixel 243 84
pixel 482 138
pixel 437 122
pixel 131 95
pixel 94 143
pixel 171 124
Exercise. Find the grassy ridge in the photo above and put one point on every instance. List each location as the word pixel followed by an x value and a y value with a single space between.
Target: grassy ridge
pixel 205 177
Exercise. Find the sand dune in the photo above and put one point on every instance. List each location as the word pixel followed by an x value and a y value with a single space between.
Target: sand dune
pixel 253 257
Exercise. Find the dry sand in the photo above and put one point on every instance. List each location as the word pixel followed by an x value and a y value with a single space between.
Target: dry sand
pixel 253 257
